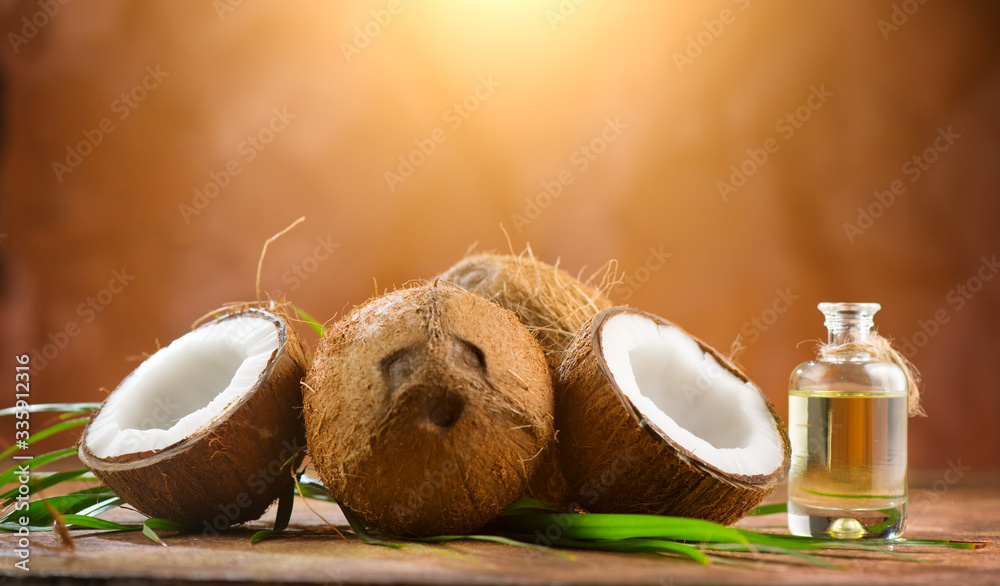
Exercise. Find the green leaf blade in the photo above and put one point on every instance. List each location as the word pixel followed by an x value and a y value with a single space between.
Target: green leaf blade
pixel 769 509
pixel 47 407
pixel 82 501
pixel 150 525
pixel 148 532
pixel 262 535
pixel 285 503
pixel 358 526
pixel 637 546
pixel 49 431
pixel 810 558
pixel 311 488
pixel 164 524
pixel 85 521
pixel 313 322
pixel 595 526
pixel 14 471
pixel 39 482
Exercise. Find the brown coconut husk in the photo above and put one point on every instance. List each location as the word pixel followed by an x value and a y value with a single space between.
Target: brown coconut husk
pixel 548 300
pixel 427 410
pixel 232 471
pixel 614 461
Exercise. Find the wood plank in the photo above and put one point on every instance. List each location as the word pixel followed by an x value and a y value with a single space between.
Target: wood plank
pixel 311 553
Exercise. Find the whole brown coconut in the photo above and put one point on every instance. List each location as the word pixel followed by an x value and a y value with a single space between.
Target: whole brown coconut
pixel 204 431
pixel 548 300
pixel 654 421
pixel 427 409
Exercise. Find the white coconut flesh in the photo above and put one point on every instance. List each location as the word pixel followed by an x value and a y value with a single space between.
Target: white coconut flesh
pixel 689 397
pixel 185 388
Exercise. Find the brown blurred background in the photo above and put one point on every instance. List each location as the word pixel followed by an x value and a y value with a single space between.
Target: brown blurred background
pixel 116 115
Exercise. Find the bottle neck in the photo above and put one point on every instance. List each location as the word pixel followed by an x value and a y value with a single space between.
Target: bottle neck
pixel 847 334
pixel 849 324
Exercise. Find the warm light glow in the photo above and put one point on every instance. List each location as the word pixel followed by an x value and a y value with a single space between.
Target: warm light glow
pixel 729 154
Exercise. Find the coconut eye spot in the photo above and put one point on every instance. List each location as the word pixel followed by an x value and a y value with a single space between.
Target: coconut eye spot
pixel 469 354
pixel 398 367
pixel 686 394
pixel 472 279
pixel 183 388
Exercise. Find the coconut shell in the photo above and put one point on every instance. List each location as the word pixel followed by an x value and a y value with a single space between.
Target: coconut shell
pixel 427 410
pixel 614 461
pixel 232 471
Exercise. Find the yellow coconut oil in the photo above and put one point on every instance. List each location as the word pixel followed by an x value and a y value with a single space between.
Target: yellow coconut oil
pixel 847 420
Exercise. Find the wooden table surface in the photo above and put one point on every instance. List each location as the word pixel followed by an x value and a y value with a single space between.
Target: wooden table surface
pixel 943 505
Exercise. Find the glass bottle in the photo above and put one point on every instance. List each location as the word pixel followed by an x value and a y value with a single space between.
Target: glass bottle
pixel 847 424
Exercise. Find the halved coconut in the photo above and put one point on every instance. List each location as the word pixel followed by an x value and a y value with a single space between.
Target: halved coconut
pixel 203 431
pixel 652 420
